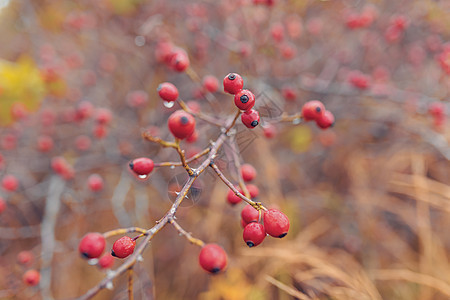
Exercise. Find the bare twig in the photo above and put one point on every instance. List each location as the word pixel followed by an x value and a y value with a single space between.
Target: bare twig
pixel 186 234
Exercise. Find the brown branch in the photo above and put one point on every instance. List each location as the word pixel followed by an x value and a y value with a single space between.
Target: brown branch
pixel 121 231
pixel 179 164
pixel 130 283
pixel 257 205
pixel 186 234
pixel 183 158
pixel 132 259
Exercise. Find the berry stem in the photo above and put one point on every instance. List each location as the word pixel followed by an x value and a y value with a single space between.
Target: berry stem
pixel 186 234
pixel 122 231
pixel 146 135
pixel 179 164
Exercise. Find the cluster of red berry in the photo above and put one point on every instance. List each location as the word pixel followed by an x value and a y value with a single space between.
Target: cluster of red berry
pixel 315 111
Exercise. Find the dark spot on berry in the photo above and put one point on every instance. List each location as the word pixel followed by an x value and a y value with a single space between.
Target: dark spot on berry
pixel 184 120
pixel 250 244
pixel 318 109
pixel 282 235
pixel 254 123
pixel 113 254
pixel 131 165
pixel 232 76
pixel 85 255
pixel 244 98
pixel 215 270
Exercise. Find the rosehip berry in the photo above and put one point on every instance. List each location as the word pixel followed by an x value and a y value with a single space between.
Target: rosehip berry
pixel 31 277
pixel 270 131
pixel 233 83
pixel 2 205
pixel 100 131
pixel 137 98
pixel 181 124
pixel 248 172
pixel 103 116
pixel 276 223
pixel 193 106
pixel 45 143
pixel 253 190
pixel 106 261
pixel 84 110
pixel 212 258
pixel 83 142
pixel 142 166
pixel 10 183
pixel 325 120
pixel 249 214
pixel 180 61
pixel 210 83
pixel 167 91
pixel 289 93
pixel 25 258
pixel 92 245
pixel 254 233
pixel 232 198
pixel 123 247
pixel 436 109
pixel 193 137
pixel 250 118
pixel 312 110
pixel 95 182
pixel 244 99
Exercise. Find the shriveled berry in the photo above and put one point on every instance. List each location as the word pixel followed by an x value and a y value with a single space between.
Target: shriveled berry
pixel 232 198
pixel 248 172
pixel 123 247
pixel 250 118
pixel 276 223
pixel 213 258
pixel 244 99
pixel 25 258
pixel 181 124
pixel 254 233
pixel 249 214
pixel 168 92
pixel 92 245
pixel 106 261
pixel 325 120
pixel 31 277
pixel 233 83
pixel 142 166
pixel 312 110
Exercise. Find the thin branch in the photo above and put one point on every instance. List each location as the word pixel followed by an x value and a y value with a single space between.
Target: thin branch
pixel 122 231
pixel 146 135
pixel 183 158
pixel 179 164
pixel 186 234
pixel 130 283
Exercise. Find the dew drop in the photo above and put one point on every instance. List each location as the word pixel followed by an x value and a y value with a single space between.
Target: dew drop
pixel 92 261
pixel 143 177
pixel 296 121
pixel 172 167
pixel 109 285
pixel 169 104
pixel 140 258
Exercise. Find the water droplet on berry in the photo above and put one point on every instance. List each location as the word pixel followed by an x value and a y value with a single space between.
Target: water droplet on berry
pixel 143 177
pixel 296 121
pixel 109 285
pixel 92 261
pixel 168 104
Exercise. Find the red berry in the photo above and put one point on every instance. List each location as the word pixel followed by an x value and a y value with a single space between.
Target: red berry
pixel 243 223
pixel 289 93
pixel 181 124
pixel 137 98
pixel 45 143
pixel 212 258
pixel 254 234
pixel 210 83
pixel 436 109
pixel 25 258
pixel 92 245
pixel 10 183
pixel 103 116
pixel 244 99
pixel 249 214
pixel 193 106
pixel 248 172
pixel 83 142
pixel 276 223
pixel 359 80
pixel 180 61
pixel 100 131
pixel 311 110
pixel 106 261
pixel 233 83
pixel 142 166
pixel 2 205
pixel 31 277
pixel 193 137
pixel 95 182
pixel 167 91
pixel 253 190
pixel 84 110
pixel 232 198
pixel 325 120
pixel 250 118
pixel 269 131
pixel 123 247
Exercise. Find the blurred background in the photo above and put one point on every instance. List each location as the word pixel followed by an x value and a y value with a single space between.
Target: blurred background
pixel 368 200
